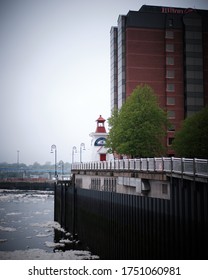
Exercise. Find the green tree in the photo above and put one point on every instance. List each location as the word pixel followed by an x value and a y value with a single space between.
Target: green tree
pixel 138 128
pixel 191 140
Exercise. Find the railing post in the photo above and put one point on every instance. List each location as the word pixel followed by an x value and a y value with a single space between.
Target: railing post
pixel 182 166
pixel 194 167
pixel 74 207
pixel 127 161
pixel 163 164
pixel 171 165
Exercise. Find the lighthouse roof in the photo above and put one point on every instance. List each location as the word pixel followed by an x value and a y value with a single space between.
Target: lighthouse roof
pixel 100 119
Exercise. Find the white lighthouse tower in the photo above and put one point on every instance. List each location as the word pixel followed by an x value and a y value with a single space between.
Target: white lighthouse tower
pixel 98 150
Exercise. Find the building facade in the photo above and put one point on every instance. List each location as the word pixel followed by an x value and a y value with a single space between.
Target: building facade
pixel 166 48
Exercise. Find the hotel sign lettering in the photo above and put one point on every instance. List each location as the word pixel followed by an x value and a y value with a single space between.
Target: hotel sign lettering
pixel 167 10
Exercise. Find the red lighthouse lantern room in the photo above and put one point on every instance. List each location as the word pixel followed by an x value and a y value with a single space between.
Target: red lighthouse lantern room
pixel 100 125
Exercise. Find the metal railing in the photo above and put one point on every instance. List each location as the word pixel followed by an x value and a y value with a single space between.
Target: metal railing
pixel 186 166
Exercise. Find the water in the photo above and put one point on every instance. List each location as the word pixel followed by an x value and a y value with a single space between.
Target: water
pixel 27 228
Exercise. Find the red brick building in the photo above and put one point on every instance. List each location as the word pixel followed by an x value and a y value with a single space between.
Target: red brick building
pixel 166 48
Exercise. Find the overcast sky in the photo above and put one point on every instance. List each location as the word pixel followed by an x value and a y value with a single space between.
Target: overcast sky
pixel 55 73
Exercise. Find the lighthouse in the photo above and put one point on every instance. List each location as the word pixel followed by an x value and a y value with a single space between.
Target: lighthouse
pixel 98 150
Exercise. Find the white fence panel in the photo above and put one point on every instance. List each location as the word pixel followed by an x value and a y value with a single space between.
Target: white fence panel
pixel 188 166
pixel 201 167
pixel 198 167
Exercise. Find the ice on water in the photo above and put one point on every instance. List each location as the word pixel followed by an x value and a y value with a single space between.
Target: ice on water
pixel 27 228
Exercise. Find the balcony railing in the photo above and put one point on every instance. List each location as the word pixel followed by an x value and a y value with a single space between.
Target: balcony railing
pixel 186 166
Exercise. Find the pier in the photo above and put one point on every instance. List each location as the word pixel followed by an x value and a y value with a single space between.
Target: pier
pixel 152 208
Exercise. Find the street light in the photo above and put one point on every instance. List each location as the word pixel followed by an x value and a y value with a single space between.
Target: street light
pixel 18 152
pixel 74 150
pixel 61 163
pixel 53 147
pixel 82 147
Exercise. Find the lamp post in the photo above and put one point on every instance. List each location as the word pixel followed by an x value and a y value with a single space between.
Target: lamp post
pixel 18 152
pixel 74 150
pixel 61 163
pixel 82 147
pixel 53 147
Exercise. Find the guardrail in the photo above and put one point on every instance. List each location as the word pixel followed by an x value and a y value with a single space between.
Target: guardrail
pixel 187 166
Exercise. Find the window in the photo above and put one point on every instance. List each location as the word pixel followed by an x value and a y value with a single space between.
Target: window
pixel 169 48
pixel 194 74
pixel 193 48
pixel 171 114
pixel 170 100
pixel 170 141
pixel 195 88
pixel 193 35
pixel 194 61
pixel 170 74
pixel 194 101
pixel 169 34
pixel 170 87
pixel 170 22
pixel 169 60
